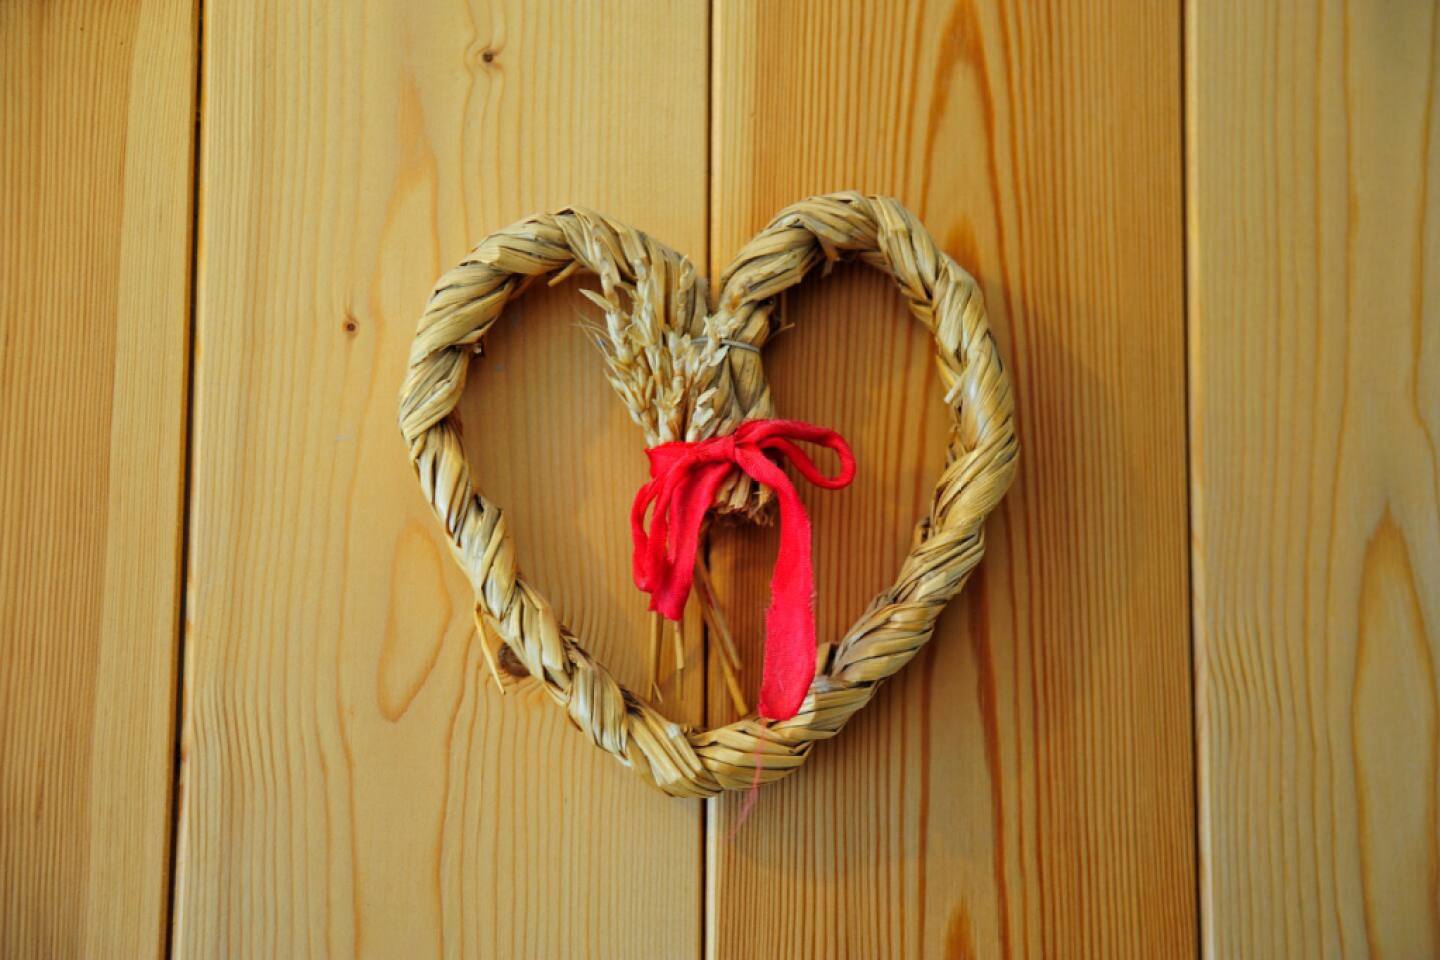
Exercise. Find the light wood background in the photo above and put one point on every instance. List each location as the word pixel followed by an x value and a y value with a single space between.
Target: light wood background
pixel 350 782
pixel 1188 705
pixel 97 116
pixel 1315 425
pixel 1025 788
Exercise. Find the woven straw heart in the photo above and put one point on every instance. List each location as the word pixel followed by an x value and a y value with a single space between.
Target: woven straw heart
pixel 688 374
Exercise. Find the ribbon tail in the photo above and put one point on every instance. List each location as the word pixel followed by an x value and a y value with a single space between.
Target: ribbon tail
pixel 789 666
pixel 687 504
pixel 640 566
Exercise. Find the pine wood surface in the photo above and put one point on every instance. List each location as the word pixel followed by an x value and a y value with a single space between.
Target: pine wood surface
pixel 1315 407
pixel 96 128
pixel 352 781
pixel 1024 789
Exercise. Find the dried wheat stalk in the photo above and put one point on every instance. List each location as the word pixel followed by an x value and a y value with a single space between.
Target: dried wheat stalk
pixel 687 373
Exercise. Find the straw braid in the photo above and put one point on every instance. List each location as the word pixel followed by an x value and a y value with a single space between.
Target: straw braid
pixel 685 373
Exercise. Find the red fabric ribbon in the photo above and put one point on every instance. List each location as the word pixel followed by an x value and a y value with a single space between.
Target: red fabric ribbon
pixel 684 477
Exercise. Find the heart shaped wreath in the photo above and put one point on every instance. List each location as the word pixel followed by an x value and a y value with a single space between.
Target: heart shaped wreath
pixel 693 381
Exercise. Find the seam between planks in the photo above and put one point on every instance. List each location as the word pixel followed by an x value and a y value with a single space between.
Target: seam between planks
pixel 186 486
pixel 1189 250
pixel 708 823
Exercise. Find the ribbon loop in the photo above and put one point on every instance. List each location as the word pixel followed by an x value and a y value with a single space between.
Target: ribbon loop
pixel 684 478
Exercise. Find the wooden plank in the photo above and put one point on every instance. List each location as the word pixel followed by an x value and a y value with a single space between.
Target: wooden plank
pixel 1025 787
pixel 96 147
pixel 351 782
pixel 1315 391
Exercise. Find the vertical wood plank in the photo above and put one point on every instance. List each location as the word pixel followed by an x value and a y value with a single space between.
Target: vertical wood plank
pixel 97 127
pixel 96 148
pixel 1025 787
pixel 1315 397
pixel 352 783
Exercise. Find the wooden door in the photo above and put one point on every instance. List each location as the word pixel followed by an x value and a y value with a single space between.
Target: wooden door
pixel 1187 704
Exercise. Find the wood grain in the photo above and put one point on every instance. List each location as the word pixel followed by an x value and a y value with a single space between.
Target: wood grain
pixel 352 783
pixel 96 146
pixel 1315 397
pixel 1024 789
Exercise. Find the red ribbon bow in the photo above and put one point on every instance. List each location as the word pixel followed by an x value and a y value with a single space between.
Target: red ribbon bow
pixel 684 477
